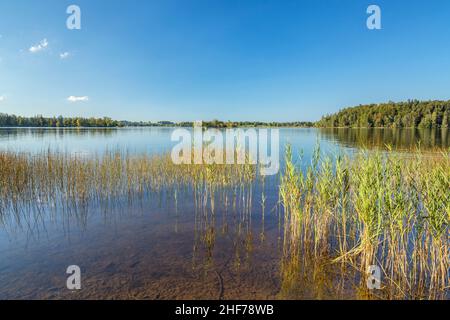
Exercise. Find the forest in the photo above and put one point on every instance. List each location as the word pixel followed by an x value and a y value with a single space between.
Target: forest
pixel 219 124
pixel 7 120
pixel 247 124
pixel 409 114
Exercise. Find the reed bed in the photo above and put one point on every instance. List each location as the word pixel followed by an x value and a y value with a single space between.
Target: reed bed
pixel 55 180
pixel 375 208
pixel 35 185
pixel 339 215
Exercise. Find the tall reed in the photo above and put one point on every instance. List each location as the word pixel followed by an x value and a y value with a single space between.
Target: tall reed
pixel 373 208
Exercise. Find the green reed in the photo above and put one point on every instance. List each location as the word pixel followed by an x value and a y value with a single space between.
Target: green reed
pixel 31 184
pixel 374 208
pixel 341 214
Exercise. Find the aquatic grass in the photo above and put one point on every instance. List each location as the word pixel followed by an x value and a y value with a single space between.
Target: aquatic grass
pixel 341 214
pixel 59 179
pixel 373 208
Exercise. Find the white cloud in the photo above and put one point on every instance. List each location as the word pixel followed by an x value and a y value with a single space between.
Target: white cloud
pixel 2 98
pixel 64 55
pixel 39 47
pixel 77 99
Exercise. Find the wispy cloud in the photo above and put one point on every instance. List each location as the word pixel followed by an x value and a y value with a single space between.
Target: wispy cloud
pixel 78 99
pixel 39 47
pixel 2 98
pixel 64 55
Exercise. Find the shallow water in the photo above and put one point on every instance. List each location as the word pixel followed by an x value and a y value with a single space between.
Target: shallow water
pixel 158 248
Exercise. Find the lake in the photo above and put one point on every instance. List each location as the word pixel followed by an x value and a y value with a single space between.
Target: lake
pixel 160 246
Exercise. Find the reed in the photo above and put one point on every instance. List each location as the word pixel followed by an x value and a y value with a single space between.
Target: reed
pixel 374 208
pixel 341 214
pixel 51 179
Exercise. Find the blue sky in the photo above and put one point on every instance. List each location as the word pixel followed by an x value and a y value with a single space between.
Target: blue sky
pixel 226 59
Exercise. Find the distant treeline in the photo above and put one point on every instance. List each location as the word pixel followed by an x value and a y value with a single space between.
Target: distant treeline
pixel 7 120
pixel 218 124
pixel 410 114
pixel 155 124
pixel 231 124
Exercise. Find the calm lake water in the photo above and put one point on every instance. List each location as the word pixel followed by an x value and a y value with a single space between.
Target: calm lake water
pixel 158 248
